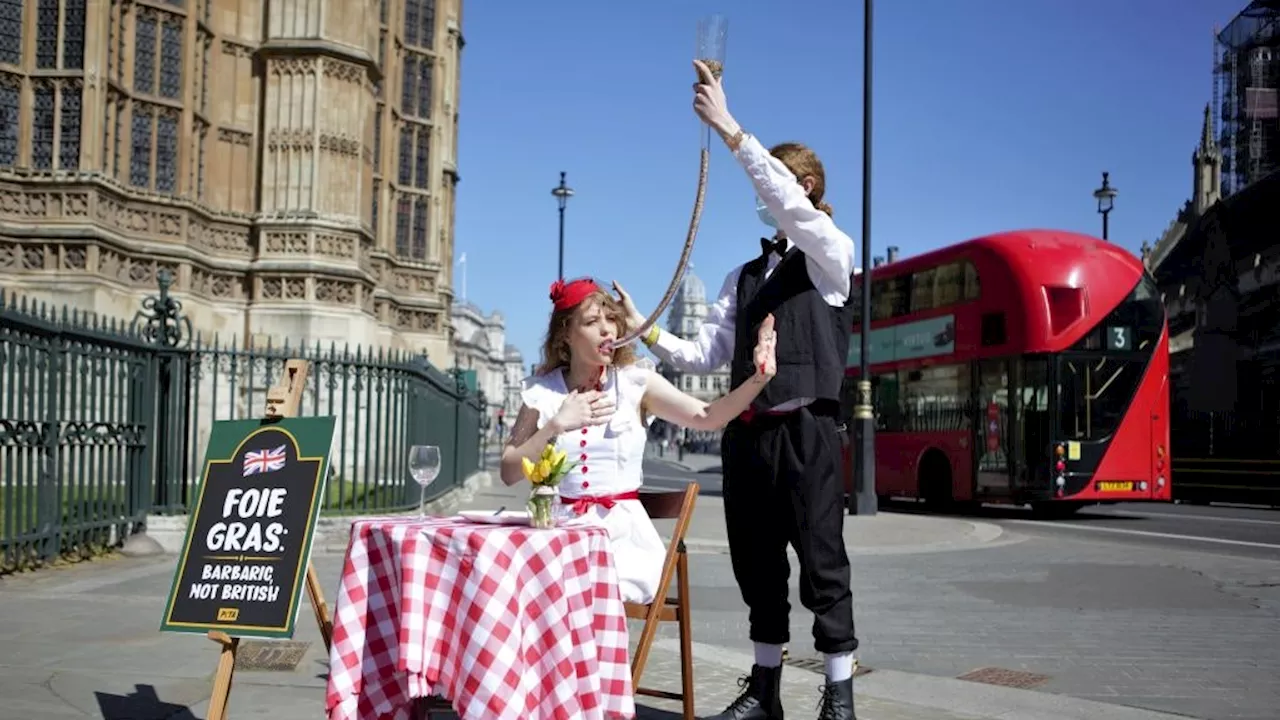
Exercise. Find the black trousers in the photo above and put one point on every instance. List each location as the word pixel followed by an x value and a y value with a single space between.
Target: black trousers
pixel 782 485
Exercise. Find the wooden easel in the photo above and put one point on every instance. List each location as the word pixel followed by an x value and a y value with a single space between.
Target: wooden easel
pixel 283 400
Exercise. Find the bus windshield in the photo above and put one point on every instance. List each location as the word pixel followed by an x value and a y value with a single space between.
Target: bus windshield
pixel 1099 375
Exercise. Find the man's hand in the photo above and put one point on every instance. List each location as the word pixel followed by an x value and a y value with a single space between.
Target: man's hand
pixel 710 103
pixel 765 356
pixel 634 318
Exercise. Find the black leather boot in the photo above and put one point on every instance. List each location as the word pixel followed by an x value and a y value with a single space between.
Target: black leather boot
pixel 760 699
pixel 837 701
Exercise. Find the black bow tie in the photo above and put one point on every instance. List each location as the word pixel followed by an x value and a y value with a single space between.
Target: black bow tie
pixel 768 245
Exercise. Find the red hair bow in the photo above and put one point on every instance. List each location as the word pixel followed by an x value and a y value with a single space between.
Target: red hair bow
pixel 568 295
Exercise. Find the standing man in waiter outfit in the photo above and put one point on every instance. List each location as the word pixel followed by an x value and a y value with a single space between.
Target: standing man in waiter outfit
pixel 781 460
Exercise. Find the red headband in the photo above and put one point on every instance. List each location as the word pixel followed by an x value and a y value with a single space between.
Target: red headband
pixel 568 295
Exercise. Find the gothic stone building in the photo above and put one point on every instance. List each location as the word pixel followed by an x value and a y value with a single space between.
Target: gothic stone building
pixel 480 350
pixel 1218 268
pixel 292 164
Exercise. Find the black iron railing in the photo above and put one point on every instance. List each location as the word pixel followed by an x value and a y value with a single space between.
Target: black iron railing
pixel 104 422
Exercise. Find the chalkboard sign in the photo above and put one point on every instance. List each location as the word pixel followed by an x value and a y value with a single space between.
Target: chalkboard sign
pixel 243 566
pixel 1119 338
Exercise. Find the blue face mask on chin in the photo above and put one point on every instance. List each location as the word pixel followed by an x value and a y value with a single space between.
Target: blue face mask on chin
pixel 765 216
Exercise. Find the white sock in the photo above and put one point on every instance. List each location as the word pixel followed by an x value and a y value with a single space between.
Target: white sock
pixel 769 656
pixel 839 666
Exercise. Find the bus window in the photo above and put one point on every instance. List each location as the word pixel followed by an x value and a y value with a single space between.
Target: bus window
pixel 948 285
pixel 945 285
pixel 1094 393
pixel 890 298
pixel 1134 326
pixel 993 429
pixel 972 286
pixel 935 398
pixel 1033 430
pixel 1099 375
pixel 922 297
pixel 884 389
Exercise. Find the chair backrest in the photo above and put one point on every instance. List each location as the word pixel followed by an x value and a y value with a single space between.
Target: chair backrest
pixel 676 504
pixel 665 504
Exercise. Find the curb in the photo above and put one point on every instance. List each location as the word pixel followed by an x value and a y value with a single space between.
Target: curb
pixel 981 537
pixel 670 461
pixel 676 463
pixel 961 697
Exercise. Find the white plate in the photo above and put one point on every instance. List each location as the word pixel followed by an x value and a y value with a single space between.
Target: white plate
pixel 506 517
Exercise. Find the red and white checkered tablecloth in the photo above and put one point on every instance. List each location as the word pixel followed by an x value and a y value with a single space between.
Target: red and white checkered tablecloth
pixel 507 622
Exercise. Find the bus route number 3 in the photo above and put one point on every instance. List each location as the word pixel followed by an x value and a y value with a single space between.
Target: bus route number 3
pixel 1119 338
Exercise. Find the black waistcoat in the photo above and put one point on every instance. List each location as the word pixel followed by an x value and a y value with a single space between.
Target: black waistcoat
pixel 813 336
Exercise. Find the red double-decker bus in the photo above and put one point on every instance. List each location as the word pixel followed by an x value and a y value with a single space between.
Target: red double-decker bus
pixel 1025 367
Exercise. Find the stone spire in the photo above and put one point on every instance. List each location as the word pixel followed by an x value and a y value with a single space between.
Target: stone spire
pixel 1206 163
pixel 1206 132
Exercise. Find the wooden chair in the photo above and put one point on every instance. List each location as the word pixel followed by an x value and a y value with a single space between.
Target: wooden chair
pixel 666 504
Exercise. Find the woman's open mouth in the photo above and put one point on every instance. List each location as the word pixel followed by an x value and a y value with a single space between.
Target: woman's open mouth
pixel 605 347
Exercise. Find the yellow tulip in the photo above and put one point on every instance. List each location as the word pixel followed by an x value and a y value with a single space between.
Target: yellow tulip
pixel 530 470
pixel 544 468
pixel 548 452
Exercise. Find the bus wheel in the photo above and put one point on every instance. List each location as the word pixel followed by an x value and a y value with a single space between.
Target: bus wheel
pixel 1054 510
pixel 934 479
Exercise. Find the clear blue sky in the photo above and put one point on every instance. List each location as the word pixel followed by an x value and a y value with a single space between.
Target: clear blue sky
pixel 989 115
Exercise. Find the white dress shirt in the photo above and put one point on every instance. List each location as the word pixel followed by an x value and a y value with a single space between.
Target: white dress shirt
pixel 828 254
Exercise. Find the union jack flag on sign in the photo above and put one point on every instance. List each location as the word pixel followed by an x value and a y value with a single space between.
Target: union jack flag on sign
pixel 263 461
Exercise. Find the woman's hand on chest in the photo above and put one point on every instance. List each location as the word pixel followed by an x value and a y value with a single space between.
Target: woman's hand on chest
pixel 583 409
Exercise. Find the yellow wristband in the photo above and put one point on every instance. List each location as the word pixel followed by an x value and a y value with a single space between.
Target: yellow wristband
pixel 651 337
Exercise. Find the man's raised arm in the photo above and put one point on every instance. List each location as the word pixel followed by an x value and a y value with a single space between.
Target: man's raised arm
pixel 713 346
pixel 812 230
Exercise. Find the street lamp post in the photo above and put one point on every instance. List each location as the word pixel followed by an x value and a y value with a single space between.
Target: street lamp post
pixel 862 501
pixel 1106 196
pixel 562 193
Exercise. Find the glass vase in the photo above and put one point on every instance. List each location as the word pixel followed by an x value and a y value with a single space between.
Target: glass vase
pixel 542 507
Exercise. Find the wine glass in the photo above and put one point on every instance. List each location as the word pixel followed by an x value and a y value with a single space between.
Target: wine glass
pixel 424 466
pixel 713 34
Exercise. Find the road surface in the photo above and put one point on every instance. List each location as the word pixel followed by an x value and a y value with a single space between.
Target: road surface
pixel 1236 531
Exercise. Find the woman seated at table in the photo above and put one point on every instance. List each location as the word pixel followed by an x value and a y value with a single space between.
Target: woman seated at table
pixel 594 402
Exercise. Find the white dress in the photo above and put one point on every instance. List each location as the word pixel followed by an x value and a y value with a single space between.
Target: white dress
pixel 609 461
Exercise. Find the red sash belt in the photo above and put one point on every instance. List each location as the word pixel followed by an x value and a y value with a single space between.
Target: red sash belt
pixel 582 504
pixel 750 413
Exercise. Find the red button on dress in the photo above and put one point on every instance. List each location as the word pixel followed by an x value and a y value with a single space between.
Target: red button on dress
pixel 582 443
pixel 583 456
pixel 584 431
pixel 584 469
pixel 585 484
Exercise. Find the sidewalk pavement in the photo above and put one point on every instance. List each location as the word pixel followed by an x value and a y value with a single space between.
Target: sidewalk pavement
pixel 879 534
pixel 81 641
pixel 693 462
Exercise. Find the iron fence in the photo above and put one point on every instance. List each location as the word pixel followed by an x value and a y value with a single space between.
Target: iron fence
pixel 104 422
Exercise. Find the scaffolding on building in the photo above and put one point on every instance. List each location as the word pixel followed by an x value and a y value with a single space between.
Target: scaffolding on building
pixel 1246 77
